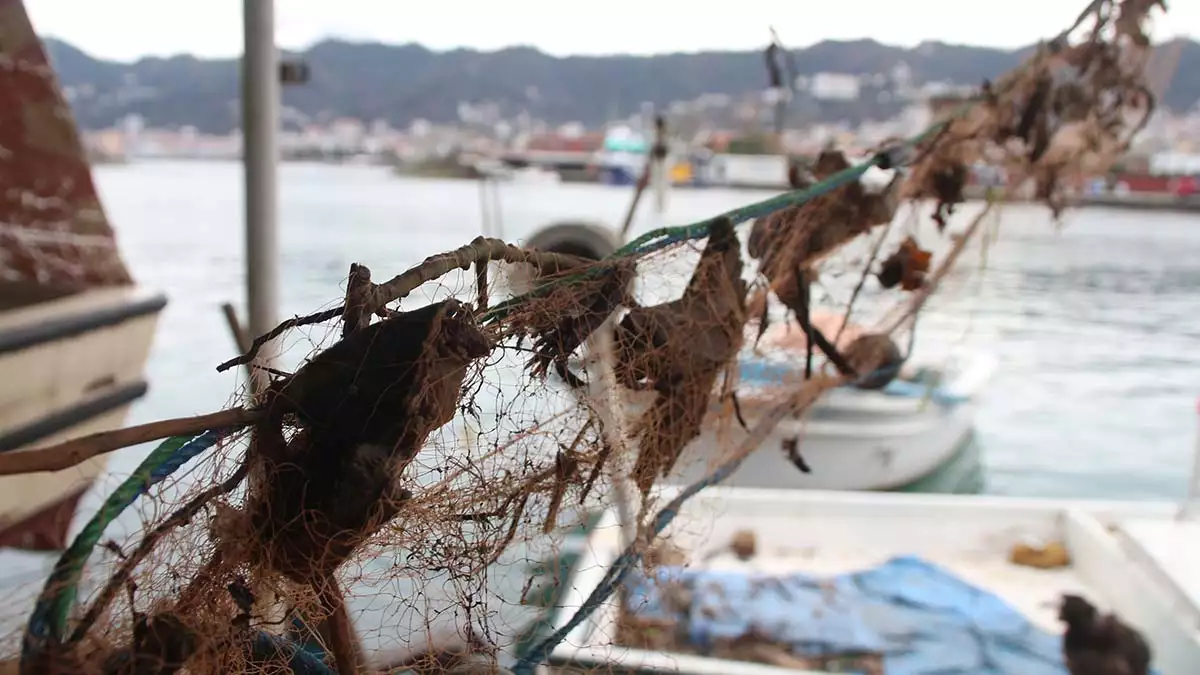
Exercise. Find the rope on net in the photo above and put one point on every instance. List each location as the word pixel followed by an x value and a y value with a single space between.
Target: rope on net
pixel 894 157
pixel 631 556
pixel 49 618
pixel 890 158
pixel 48 621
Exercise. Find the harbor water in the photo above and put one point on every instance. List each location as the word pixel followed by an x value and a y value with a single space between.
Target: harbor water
pixel 1092 320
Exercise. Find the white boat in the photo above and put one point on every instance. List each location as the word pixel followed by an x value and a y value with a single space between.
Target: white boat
pixel 915 434
pixel 75 330
pixel 907 553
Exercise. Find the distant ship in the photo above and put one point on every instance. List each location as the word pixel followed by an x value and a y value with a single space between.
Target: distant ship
pixel 622 156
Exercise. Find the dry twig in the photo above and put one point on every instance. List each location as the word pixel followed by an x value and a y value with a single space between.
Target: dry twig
pixel 78 450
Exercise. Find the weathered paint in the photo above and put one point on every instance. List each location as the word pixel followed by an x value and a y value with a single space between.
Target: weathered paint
pixel 53 231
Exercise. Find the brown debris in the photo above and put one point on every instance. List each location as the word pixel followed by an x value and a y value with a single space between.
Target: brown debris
pixel 362 409
pixel 664 553
pixel 161 645
pixel 949 183
pixel 1131 14
pixel 678 348
pixel 744 544
pixel 906 267
pixel 1062 115
pixel 364 406
pixel 570 313
pixel 332 444
pixel 1051 556
pixel 789 243
pixel 356 314
pixel 797 237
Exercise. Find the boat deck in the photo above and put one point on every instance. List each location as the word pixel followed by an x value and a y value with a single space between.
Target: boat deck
pixel 1034 592
pixel 824 534
pixel 1172 549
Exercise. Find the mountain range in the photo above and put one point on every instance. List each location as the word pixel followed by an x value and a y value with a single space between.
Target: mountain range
pixel 401 83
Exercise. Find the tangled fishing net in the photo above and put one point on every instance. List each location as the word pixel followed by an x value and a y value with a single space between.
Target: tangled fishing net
pixel 356 511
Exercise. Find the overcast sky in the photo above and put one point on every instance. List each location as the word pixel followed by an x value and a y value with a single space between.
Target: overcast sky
pixel 128 29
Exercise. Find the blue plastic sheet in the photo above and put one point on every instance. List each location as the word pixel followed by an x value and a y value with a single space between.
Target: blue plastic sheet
pixel 921 618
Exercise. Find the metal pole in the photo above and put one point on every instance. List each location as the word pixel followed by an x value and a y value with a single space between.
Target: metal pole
pixel 658 174
pixel 260 154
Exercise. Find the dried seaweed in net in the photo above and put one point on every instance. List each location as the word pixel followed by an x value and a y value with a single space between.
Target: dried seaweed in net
pixel 426 445
pixel 364 407
pixel 567 315
pixel 678 348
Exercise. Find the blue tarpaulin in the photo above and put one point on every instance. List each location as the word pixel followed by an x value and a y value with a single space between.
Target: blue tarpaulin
pixel 920 618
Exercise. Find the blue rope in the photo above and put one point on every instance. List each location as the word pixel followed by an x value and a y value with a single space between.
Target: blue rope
pixel 621 567
pixel 268 647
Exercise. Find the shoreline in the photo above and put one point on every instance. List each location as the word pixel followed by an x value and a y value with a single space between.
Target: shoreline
pixel 1163 203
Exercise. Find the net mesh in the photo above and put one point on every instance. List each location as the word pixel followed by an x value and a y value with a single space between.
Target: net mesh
pixel 394 501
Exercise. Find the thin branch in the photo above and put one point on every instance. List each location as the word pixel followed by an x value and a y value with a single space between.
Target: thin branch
pixel 76 451
pixel 862 281
pixel 919 298
pixel 240 339
pixel 376 296
pixel 480 249
pixel 295 322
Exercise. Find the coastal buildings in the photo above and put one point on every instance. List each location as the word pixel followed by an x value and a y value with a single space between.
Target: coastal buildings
pixel 722 125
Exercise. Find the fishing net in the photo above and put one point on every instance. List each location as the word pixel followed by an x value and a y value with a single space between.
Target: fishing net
pixel 389 501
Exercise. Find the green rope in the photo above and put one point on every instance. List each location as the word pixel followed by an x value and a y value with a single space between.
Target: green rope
pixel 49 618
pixel 666 236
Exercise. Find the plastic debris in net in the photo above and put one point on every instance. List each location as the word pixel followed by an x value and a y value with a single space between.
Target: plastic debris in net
pixel 920 618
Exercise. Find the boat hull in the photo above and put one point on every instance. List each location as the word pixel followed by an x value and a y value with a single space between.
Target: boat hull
pixel 863 454
pixel 68 367
pixel 909 437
